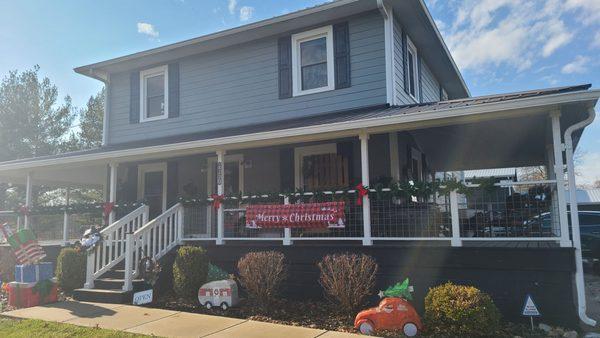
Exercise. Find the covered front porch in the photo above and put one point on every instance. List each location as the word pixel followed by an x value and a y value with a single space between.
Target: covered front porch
pixel 396 172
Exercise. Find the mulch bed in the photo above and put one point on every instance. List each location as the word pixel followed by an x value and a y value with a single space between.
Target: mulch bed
pixel 311 314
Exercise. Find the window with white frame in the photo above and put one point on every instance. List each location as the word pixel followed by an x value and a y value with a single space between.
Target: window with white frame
pixel 312 61
pixel 413 71
pixel 154 100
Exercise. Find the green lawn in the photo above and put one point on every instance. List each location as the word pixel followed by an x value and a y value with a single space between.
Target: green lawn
pixel 39 328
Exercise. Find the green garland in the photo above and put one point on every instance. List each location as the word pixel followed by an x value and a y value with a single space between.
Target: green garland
pixel 80 208
pixel 398 190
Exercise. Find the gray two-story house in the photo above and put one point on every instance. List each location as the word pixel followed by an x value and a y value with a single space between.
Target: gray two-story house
pixel 349 110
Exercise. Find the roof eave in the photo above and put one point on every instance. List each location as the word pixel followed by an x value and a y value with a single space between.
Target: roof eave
pixel 590 96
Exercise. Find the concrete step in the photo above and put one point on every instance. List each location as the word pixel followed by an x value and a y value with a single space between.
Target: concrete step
pixel 107 283
pixel 103 296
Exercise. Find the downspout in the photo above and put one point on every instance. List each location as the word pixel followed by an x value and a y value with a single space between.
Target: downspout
pixel 579 281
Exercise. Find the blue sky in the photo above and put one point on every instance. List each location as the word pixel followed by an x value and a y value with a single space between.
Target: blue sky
pixel 499 45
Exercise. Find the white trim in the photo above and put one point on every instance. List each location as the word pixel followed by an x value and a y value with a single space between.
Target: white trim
pixel 147 73
pixel 299 38
pixel 210 176
pixel 301 152
pixel 388 27
pixel 412 49
pixel 148 168
pixel 206 145
pixel 105 118
pixel 365 178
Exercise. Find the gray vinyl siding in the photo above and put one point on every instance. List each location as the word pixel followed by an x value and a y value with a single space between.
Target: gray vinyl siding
pixel 238 86
pixel 430 85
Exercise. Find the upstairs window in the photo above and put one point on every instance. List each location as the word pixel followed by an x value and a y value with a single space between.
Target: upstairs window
pixel 154 94
pixel 312 61
pixel 413 70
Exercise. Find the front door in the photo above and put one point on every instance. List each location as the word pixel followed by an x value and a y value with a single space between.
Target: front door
pixel 152 187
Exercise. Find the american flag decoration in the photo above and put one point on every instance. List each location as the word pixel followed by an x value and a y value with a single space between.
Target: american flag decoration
pixel 24 244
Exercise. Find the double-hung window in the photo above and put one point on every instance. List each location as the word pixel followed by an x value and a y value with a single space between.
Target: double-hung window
pixel 413 70
pixel 312 61
pixel 154 100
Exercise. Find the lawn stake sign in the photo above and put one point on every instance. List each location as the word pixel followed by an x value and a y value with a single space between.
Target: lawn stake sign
pixel 143 297
pixel 530 309
pixel 307 215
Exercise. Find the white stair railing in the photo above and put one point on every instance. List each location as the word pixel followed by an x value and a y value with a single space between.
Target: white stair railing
pixel 153 240
pixel 111 250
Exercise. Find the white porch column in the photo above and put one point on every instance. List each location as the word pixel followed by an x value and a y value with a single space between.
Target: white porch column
pixel 220 191
pixel 366 205
pixel 560 180
pixel 112 197
pixel 287 232
pixel 454 214
pixel 66 218
pixel 28 197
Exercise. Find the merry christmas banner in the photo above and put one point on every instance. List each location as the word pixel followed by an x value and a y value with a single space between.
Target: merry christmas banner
pixel 308 215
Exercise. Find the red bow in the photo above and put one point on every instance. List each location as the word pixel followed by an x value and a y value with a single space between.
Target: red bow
pixel 24 210
pixel 217 199
pixel 362 191
pixel 107 209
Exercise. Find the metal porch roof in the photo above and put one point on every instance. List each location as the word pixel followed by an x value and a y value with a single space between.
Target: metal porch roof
pixel 371 114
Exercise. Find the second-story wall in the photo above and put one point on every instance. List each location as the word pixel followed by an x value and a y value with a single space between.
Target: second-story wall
pixel 429 86
pixel 238 86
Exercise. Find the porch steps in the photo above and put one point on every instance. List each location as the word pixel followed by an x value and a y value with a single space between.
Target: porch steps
pixel 108 289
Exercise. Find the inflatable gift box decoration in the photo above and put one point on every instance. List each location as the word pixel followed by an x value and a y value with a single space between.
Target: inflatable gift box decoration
pixel 34 273
pixel 21 295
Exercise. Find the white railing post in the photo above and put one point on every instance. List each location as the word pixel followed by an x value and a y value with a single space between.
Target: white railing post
pixel 89 271
pixel 220 192
pixel 559 173
pixel 113 190
pixel 287 232
pixel 66 220
pixel 28 197
pixel 454 214
pixel 366 204
pixel 128 285
pixel 180 224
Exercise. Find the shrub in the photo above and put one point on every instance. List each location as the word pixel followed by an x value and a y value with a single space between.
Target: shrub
pixel 70 269
pixel 261 275
pixel 461 311
pixel 215 273
pixel 189 271
pixel 348 279
pixel 7 265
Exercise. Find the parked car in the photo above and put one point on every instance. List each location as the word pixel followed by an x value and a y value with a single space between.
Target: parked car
pixel 589 228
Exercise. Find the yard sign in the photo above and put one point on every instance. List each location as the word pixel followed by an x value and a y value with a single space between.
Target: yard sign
pixel 530 309
pixel 142 297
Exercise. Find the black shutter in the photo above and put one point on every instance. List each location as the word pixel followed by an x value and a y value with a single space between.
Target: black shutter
pixel 419 79
pixel 172 183
pixel 173 90
pixel 405 62
pixel 341 42
pixel 134 102
pixel 285 67
pixel 286 169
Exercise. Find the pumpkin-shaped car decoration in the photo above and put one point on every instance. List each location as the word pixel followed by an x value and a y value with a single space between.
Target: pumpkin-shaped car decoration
pixel 394 312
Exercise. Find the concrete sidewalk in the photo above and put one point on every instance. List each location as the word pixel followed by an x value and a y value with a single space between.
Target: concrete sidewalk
pixel 164 323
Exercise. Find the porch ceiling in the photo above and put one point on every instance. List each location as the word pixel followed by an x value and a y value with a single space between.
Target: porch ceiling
pixel 90 176
pixel 515 142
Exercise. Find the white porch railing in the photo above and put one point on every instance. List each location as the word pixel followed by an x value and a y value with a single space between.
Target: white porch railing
pixel 111 250
pixel 507 211
pixel 153 240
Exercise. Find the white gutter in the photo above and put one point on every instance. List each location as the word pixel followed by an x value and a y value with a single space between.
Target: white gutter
pixel 579 281
pixel 363 124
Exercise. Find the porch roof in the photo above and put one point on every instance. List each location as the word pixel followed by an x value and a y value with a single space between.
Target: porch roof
pixel 571 101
